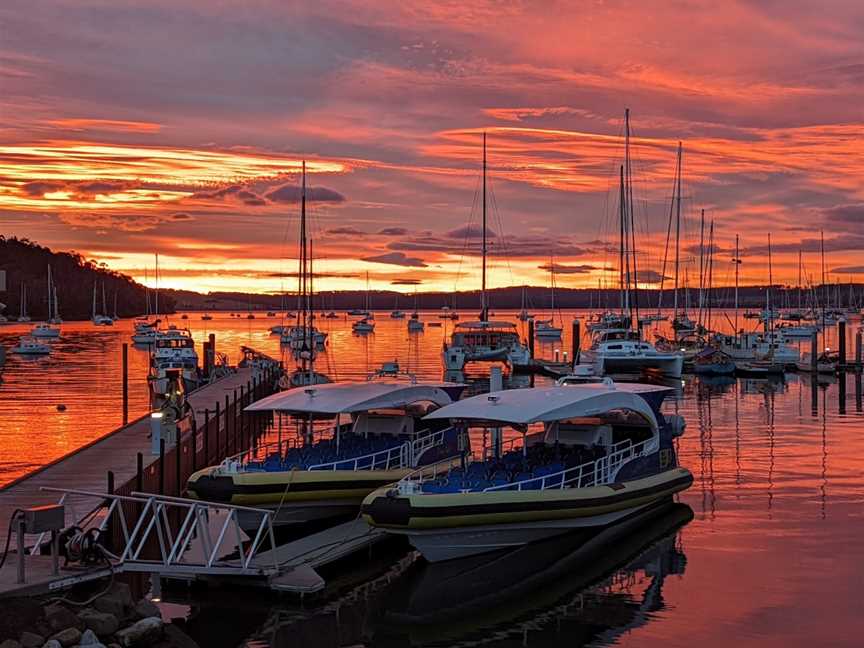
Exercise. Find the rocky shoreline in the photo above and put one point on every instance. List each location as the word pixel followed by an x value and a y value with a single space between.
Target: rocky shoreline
pixel 112 620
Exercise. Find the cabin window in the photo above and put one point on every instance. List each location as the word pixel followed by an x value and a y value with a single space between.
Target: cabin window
pixel 615 346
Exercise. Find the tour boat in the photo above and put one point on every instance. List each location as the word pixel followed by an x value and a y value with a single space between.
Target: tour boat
pixel 348 438
pixel 45 330
pixel 590 455
pixel 617 351
pixel 173 348
pixel 29 345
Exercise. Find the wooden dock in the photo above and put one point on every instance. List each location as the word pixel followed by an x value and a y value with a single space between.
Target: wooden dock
pixel 87 467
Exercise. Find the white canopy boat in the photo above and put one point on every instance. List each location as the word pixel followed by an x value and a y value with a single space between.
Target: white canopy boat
pixel 590 455
pixel 349 439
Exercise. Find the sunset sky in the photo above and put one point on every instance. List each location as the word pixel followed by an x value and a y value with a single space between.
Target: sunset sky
pixel 128 128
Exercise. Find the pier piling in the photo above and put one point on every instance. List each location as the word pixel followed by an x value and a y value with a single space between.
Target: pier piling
pixel 576 342
pixel 139 473
pixel 531 336
pixel 858 349
pixel 841 342
pixel 110 490
pixel 125 363
pixel 162 466
pixel 814 352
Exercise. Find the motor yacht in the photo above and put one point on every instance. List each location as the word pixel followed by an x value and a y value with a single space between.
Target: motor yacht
pixel 346 439
pixel 621 350
pixel 29 345
pixel 145 332
pixel 588 455
pixel 485 341
pixel 173 348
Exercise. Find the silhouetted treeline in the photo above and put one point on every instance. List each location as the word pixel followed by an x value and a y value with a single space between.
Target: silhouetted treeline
pixel 26 263
pixel 535 297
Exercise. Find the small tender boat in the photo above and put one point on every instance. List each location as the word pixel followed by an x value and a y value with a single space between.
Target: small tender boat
pixel 44 330
pixel 271 314
pixel 547 329
pixel 713 362
pixel 757 368
pixel 351 438
pixel 28 345
pixel 591 455
pixel 364 325
pixel 331 315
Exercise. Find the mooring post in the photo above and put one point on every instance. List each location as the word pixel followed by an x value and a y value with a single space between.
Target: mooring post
pixel 841 342
pixel 139 473
pixel 814 351
pixel 228 417
pixel 110 482
pixel 577 340
pixel 178 447
pixel 531 337
pixel 162 466
pixel 194 443
pixel 858 348
pixel 206 436
pixel 243 445
pixel 125 383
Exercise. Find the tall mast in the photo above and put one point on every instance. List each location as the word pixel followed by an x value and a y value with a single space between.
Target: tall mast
pixel 799 280
pixel 621 270
pixel 156 296
pixel 633 279
pixel 483 308
pixel 677 226
pixel 701 265
pixel 737 262
pixel 768 315
pixel 824 283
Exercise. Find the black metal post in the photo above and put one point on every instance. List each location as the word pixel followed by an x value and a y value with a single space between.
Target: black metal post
pixel 162 466
pixel 577 340
pixel 841 342
pixel 125 383
pixel 194 443
pixel 531 337
pixel 110 482
pixel 139 473
pixel 206 436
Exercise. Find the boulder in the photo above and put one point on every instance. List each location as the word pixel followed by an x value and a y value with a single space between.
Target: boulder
pixel 59 618
pixel 90 640
pixel 141 633
pixel 117 600
pixel 102 623
pixel 31 640
pixel 52 643
pixel 177 638
pixel 10 643
pixel 68 637
pixel 147 608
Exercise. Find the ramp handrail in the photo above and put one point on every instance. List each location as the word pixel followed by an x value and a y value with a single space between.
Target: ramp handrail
pixel 153 521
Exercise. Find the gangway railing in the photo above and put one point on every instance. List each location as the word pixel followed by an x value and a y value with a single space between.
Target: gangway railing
pixel 179 536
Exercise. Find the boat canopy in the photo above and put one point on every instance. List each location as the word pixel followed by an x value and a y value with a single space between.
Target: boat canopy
pixel 520 407
pixel 350 397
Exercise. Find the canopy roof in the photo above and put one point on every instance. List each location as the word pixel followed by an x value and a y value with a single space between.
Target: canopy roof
pixel 347 397
pixel 547 404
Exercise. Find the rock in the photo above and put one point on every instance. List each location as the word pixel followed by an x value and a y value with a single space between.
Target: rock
pixel 52 643
pixel 10 643
pixel 89 638
pixel 59 618
pixel 141 633
pixel 117 601
pixel 102 623
pixel 177 638
pixel 68 637
pixel 147 608
pixel 31 640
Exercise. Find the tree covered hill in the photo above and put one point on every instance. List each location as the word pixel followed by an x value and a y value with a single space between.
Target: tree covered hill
pixel 26 264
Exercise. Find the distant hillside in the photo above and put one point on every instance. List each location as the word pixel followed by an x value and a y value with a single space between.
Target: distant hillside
pixel 507 298
pixel 26 263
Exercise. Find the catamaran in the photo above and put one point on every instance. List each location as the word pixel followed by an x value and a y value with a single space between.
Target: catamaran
pixel 484 340
pixel 590 455
pixel 351 438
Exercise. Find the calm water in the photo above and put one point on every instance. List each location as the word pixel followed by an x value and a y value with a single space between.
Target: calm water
pixel 766 550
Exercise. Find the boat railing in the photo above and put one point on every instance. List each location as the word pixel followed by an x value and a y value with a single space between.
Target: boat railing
pixel 592 473
pixel 390 459
pixel 505 446
pixel 424 440
pixel 261 451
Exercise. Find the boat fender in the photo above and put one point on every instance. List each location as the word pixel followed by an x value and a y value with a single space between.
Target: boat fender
pixel 677 424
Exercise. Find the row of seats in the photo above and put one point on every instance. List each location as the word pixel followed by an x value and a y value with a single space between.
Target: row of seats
pixel 539 461
pixel 325 452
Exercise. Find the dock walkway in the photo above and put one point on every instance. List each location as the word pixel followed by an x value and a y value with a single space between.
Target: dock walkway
pixel 87 467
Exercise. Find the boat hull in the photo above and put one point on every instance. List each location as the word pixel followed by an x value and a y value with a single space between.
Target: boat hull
pixel 668 365
pixel 453 525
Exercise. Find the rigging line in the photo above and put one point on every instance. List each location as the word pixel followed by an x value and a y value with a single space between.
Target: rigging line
pixel 467 234
pixel 502 239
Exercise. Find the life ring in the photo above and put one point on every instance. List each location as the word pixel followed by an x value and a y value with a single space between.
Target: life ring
pixel 284 383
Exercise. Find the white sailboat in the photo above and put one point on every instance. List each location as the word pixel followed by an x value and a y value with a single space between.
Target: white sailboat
pixel 524 315
pixel 415 324
pixel 483 340
pixel 367 324
pixel 97 318
pixel 22 314
pixel 46 330
pixel 546 328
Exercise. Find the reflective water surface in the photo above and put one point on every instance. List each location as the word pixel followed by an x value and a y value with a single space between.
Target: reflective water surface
pixel 766 548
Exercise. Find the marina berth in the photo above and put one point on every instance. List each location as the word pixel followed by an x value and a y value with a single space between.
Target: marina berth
pixel 590 455
pixel 346 439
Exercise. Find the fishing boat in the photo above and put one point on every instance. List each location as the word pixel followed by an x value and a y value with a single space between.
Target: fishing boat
pixel 590 455
pixel 757 346
pixel 713 362
pixel 29 345
pixel 173 349
pixel 350 438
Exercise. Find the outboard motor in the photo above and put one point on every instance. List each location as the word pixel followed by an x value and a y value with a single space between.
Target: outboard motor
pixel 677 424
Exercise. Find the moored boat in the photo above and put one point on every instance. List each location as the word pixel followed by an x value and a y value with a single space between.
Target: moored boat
pixel 590 455
pixel 352 437
pixel 28 345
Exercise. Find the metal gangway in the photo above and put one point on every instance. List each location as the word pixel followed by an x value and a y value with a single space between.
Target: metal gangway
pixel 176 536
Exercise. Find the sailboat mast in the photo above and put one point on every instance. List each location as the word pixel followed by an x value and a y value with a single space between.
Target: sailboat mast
pixel 824 283
pixel 156 296
pixel 677 226
pixel 799 280
pixel 768 315
pixel 737 261
pixel 483 307
pixel 633 278
pixel 621 271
